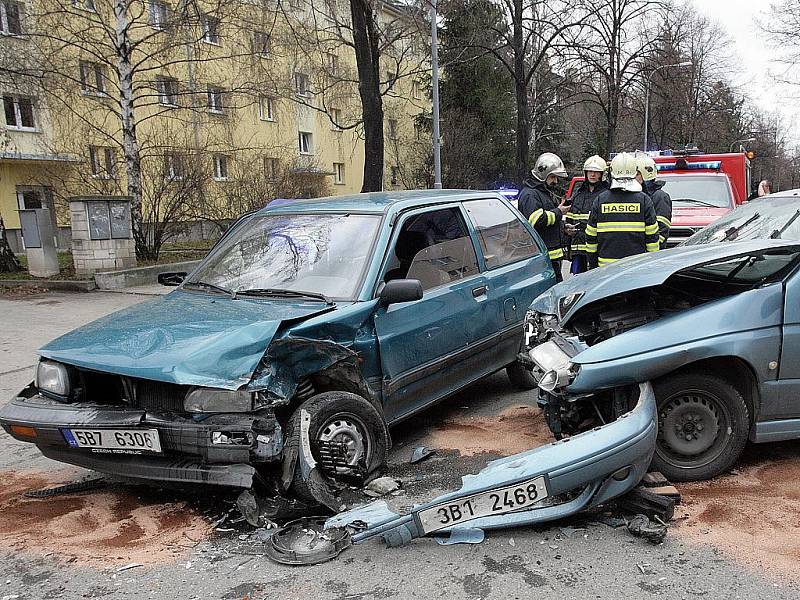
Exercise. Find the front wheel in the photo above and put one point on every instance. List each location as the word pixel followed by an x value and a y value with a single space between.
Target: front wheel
pixel 703 425
pixel 520 377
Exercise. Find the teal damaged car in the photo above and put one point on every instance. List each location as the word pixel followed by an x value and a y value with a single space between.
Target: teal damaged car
pixel 357 311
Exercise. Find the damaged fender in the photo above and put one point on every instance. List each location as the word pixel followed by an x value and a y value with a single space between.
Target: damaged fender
pixel 580 472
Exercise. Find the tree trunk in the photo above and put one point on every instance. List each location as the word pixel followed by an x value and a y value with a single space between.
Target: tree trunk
pixel 365 40
pixel 8 262
pixel 521 94
pixel 130 144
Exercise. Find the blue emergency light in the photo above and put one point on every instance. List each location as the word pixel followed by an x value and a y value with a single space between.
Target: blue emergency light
pixel 712 165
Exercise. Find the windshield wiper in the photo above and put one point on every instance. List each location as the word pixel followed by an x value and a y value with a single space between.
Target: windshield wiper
pixel 696 201
pixel 210 286
pixel 731 233
pixel 779 232
pixel 277 292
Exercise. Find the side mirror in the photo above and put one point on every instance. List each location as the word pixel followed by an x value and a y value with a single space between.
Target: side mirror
pixel 172 279
pixel 400 290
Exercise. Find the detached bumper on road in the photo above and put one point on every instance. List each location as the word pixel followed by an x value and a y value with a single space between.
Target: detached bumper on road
pixel 581 472
pixel 191 452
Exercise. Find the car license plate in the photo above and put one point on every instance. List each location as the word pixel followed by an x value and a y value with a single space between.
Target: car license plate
pixel 492 502
pixel 119 441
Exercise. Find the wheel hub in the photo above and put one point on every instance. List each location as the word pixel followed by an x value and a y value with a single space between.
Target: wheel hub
pixel 690 424
pixel 345 431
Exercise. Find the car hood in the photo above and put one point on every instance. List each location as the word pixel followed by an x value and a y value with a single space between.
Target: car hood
pixel 696 216
pixel 637 272
pixel 184 337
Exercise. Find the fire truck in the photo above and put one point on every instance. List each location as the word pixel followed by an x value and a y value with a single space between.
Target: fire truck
pixel 703 187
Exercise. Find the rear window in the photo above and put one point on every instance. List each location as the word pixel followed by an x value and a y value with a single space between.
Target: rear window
pixel 698 190
pixel 502 235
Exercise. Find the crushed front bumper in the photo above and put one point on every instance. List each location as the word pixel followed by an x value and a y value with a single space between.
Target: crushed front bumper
pixel 586 470
pixel 191 452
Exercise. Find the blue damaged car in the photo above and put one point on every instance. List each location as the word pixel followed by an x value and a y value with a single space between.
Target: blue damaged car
pixel 712 325
pixel 357 311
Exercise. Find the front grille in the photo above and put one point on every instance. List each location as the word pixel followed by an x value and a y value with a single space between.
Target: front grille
pixel 159 396
pixel 101 388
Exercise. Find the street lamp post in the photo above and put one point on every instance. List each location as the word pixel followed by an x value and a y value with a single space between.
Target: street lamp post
pixel 647 95
pixel 748 140
pixel 437 159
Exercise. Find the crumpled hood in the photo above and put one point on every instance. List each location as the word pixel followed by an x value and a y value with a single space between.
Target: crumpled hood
pixel 183 337
pixel 640 271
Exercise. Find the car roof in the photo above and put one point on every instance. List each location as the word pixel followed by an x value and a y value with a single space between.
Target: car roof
pixel 375 202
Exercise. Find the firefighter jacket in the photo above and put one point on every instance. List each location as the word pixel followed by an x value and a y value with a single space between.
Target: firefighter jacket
pixel 578 215
pixel 662 203
pixel 537 204
pixel 620 224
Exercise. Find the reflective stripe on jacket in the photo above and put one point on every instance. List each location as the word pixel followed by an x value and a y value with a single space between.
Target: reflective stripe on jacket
pixel 578 215
pixel 538 205
pixel 662 203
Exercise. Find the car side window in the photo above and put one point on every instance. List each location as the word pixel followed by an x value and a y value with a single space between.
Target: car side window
pixel 433 247
pixel 502 235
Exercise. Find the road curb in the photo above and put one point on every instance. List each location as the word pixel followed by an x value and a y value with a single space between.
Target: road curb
pixel 63 285
pixel 125 278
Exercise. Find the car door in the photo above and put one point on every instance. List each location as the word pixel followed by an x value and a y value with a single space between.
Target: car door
pixel 516 270
pixel 425 345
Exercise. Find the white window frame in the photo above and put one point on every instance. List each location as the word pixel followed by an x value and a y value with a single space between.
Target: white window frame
pixel 333 63
pixel 158 14
pixel 261 44
pixel 4 27
pixel 102 162
pixel 266 108
pixel 221 167
pixel 305 142
pixel 93 78
pixel 391 129
pixel 301 86
pixel 173 166
pixel 271 166
pixel 18 126
pixel 415 89
pixel 336 119
pixel 210 34
pixel 167 96
pixel 338 173
pixel 216 103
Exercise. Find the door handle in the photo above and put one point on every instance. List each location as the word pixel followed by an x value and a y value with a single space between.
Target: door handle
pixel 479 291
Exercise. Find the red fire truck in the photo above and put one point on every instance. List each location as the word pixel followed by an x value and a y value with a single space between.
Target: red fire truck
pixel 703 187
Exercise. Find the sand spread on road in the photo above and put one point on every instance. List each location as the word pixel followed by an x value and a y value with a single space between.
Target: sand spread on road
pixel 108 527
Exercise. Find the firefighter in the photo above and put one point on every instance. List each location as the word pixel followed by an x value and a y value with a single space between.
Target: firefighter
pixel 537 203
pixel 622 221
pixel 582 200
pixel 662 203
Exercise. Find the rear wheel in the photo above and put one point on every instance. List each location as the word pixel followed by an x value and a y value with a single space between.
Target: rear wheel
pixel 703 424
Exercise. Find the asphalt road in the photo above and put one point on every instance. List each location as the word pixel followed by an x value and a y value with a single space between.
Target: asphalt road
pixel 72 547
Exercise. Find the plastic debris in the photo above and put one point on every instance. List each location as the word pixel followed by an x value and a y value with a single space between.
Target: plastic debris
pixel 420 453
pixel 130 566
pixel 381 487
pixel 642 526
pixel 306 542
pixel 461 535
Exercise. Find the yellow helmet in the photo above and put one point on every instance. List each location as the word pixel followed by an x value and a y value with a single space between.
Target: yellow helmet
pixel 595 163
pixel 646 166
pixel 624 167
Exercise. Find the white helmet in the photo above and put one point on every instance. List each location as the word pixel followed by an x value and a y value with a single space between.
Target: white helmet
pixel 548 164
pixel 646 166
pixel 624 167
pixel 595 163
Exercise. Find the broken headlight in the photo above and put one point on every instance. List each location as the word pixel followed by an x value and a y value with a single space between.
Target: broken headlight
pixel 567 302
pixel 210 400
pixel 52 378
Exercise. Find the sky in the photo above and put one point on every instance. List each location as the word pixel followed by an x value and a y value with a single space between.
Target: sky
pixel 757 76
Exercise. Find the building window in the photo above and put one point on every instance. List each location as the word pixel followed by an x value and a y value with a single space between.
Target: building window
pixel 261 44
pixel 19 112
pixel 333 63
pixel 338 173
pixel 306 142
pixel 93 78
pixel 84 4
pixel 330 9
pixel 158 14
pixel 167 89
pixel 391 126
pixel 215 95
pixel 210 29
pixel 10 21
pixel 395 175
pixel 266 108
pixel 296 3
pixel 271 168
pixel 102 161
pixel 336 119
pixel 220 167
pixel 416 90
pixel 390 77
pixel 301 84
pixel 173 166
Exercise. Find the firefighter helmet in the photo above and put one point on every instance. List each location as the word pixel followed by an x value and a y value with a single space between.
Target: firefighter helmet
pixel 624 167
pixel 595 163
pixel 548 164
pixel 646 166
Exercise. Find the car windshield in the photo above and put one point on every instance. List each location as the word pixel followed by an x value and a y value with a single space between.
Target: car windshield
pixel 324 254
pixel 749 269
pixel 762 219
pixel 698 190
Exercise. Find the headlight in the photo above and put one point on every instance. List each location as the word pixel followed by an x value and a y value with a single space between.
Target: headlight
pixel 210 400
pixel 555 379
pixel 52 377
pixel 567 302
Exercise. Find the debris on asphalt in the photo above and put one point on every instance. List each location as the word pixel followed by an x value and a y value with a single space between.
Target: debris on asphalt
pixel 642 501
pixel 654 479
pixel 612 521
pixel 381 486
pixel 642 526
pixel 306 541
pixel 69 488
pixel 420 453
pixel 129 566
pixel 463 535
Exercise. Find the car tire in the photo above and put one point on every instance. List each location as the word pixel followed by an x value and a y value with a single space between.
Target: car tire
pixel 520 377
pixel 340 416
pixel 703 426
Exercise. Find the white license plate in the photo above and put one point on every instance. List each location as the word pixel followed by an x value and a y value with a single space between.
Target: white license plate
pixel 492 502
pixel 114 440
